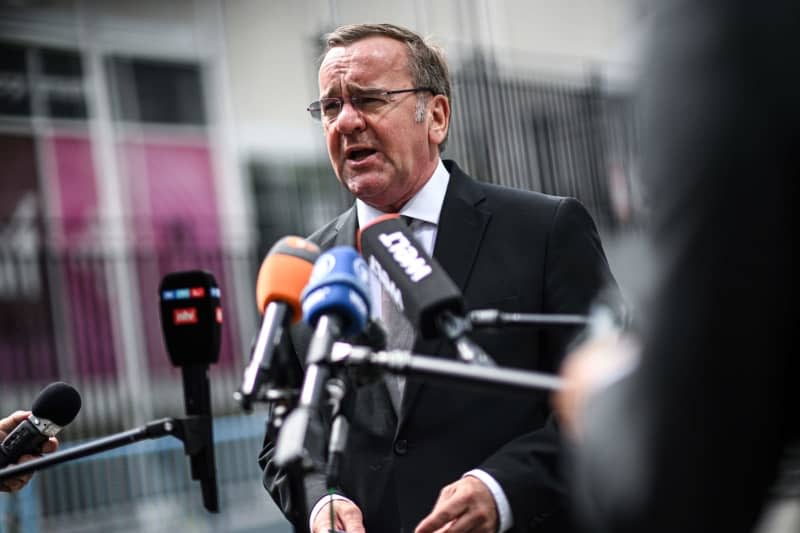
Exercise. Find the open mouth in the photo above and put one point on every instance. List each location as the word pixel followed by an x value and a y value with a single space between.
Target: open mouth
pixel 358 155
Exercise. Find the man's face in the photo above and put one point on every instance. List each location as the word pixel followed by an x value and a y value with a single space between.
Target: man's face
pixel 384 156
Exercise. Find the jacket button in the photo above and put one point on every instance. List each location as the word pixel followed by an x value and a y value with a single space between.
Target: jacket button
pixel 401 447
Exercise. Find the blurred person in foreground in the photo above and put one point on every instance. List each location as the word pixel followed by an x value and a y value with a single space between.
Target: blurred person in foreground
pixel 691 421
pixel 7 425
pixel 442 457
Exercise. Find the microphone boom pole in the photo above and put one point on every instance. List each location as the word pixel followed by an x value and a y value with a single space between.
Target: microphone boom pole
pixel 182 429
pixel 492 318
pixel 436 369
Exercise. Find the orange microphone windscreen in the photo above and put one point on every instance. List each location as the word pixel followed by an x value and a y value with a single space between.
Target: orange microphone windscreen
pixel 284 273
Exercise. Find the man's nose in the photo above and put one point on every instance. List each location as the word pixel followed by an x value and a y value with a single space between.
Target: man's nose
pixel 350 118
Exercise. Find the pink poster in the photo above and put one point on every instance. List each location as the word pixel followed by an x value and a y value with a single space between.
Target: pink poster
pixel 83 260
pixel 173 210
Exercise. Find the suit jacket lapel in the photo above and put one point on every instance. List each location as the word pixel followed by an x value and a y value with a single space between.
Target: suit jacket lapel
pixel 343 232
pixel 462 225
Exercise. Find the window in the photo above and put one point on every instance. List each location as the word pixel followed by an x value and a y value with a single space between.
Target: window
pixel 157 92
pixel 54 76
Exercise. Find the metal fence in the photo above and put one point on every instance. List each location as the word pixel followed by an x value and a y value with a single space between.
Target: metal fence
pixel 558 135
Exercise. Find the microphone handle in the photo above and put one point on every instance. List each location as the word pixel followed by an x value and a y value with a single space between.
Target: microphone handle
pixel 328 330
pixel 290 447
pixel 337 441
pixel 23 439
pixel 196 390
pixel 274 323
pixel 197 397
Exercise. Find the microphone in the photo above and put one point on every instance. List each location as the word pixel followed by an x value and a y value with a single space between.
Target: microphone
pixel 418 285
pixel 55 407
pixel 336 304
pixel 336 301
pixel 284 273
pixel 191 322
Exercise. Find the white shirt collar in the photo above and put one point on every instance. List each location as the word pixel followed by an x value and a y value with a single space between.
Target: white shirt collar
pixel 426 205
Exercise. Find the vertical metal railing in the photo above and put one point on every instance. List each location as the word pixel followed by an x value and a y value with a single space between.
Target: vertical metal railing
pixel 534 132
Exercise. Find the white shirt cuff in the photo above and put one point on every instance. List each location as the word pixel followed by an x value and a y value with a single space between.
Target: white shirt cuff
pixel 318 507
pixel 505 518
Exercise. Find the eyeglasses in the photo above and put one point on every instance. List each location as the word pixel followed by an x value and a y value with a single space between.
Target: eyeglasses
pixel 328 109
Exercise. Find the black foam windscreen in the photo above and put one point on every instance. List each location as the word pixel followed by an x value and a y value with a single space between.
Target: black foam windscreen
pixel 191 317
pixel 419 286
pixel 58 402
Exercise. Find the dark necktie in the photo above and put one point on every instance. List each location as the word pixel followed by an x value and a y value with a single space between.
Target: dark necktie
pixel 400 335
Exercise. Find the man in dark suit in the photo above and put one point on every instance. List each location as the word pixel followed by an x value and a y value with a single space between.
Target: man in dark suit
pixel 693 437
pixel 476 461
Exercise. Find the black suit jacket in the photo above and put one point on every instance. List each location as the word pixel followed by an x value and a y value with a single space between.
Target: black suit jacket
pixel 507 249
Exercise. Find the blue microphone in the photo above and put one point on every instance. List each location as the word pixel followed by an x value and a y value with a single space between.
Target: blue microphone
pixel 336 304
pixel 338 290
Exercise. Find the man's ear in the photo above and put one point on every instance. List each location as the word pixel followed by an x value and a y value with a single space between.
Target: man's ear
pixel 439 112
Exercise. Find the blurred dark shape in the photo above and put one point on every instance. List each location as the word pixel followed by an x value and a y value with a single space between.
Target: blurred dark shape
pixel 693 439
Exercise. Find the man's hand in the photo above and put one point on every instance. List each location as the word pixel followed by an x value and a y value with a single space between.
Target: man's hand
pixel 7 425
pixel 346 516
pixel 466 505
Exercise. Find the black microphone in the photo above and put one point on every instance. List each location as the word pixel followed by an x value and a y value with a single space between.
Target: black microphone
pixel 191 321
pixel 281 279
pixel 418 285
pixel 55 407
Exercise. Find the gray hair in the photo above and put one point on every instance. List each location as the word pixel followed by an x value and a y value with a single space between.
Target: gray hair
pixel 426 60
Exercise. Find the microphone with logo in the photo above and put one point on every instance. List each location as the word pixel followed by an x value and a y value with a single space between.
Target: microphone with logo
pixel 418 285
pixel 55 407
pixel 336 304
pixel 284 273
pixel 191 321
